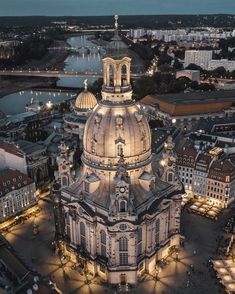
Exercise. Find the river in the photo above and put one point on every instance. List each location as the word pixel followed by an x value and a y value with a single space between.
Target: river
pixel 92 61
pixel 16 102
pixel 81 62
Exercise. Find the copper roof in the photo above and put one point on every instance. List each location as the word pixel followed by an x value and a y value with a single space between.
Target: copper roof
pixel 191 103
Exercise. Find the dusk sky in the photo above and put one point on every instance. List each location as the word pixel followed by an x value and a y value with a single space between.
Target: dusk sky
pixel 110 7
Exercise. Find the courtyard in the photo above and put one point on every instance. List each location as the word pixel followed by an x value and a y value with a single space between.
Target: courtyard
pixel 187 271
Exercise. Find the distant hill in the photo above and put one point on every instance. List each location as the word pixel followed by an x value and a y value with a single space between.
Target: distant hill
pixel 148 21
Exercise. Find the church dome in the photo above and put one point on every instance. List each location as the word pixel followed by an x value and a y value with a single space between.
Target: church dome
pixel 117 48
pixel 115 129
pixel 85 100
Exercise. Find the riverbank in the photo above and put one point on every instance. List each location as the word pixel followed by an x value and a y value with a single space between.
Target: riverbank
pixel 11 85
pixel 53 59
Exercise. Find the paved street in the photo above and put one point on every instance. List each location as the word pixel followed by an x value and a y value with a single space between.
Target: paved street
pixel 176 277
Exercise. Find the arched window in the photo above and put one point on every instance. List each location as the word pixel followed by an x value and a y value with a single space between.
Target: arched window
pixel 170 177
pixel 103 243
pixel 111 76
pixel 82 235
pixel 124 75
pixel 123 251
pixel 139 241
pixel 119 149
pixel 157 232
pixel 122 206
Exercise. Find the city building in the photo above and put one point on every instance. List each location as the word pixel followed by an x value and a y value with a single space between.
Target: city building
pixel 208 175
pixel 119 217
pixel 193 75
pixel 26 125
pixel 198 57
pixel 229 65
pixel 17 193
pixel 187 109
pixel 26 157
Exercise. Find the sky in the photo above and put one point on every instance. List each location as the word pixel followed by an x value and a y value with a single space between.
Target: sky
pixel 111 7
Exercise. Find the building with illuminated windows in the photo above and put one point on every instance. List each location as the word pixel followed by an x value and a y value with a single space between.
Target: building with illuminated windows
pixel 208 175
pixel 17 193
pixel 119 217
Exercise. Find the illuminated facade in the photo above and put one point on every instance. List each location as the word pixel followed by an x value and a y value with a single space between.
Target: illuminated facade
pixel 207 175
pixel 65 174
pixel 119 216
pixel 17 193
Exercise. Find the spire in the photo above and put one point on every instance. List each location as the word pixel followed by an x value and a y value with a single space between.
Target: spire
pixel 85 83
pixel 116 22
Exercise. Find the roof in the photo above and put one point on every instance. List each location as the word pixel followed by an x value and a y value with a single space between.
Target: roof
pixel 29 147
pixel 12 148
pixel 116 48
pixel 11 180
pixel 192 103
pixel 21 117
pixel 85 101
pixel 187 157
pixel 222 170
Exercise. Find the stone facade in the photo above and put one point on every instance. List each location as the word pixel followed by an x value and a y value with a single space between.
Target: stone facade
pixel 120 218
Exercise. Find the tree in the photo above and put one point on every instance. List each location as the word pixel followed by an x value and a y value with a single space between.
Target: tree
pixel 193 66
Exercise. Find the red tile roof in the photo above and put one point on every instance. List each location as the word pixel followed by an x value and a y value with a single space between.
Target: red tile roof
pixel 11 180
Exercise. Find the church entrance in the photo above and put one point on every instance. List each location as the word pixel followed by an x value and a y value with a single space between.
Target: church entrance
pixel 123 279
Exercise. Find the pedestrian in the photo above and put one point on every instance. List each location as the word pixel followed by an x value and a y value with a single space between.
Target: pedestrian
pixel 194 252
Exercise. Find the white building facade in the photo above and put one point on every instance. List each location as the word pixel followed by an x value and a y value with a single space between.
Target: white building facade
pixel 17 193
pixel 198 57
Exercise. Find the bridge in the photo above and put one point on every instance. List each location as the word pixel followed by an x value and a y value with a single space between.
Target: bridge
pixel 77 49
pixel 58 74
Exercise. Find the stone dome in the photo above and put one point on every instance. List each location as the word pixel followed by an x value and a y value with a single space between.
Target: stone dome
pixel 112 129
pixel 85 100
pixel 117 48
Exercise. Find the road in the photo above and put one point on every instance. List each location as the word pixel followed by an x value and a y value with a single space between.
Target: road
pixel 199 247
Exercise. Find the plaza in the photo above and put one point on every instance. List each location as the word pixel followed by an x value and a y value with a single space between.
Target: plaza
pixel 184 272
